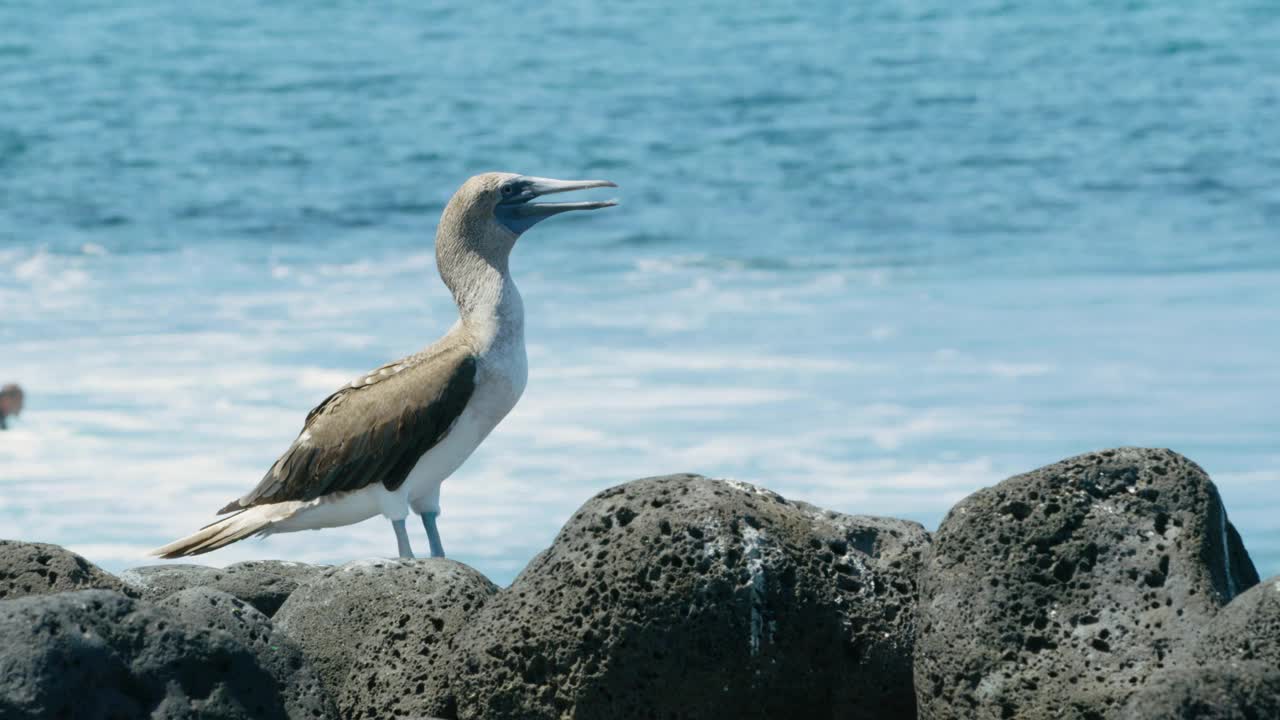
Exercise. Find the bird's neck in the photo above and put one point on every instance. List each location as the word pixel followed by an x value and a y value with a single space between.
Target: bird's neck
pixel 489 303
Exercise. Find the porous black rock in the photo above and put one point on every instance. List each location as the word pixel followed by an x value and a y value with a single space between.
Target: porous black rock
pixel 687 597
pixel 1060 592
pixel 300 690
pixel 1248 690
pixel 28 568
pixel 372 629
pixel 265 584
pixel 1233 671
pixel 99 654
pixel 1247 629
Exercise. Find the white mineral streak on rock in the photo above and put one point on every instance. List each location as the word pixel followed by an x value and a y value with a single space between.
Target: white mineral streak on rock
pixel 749 488
pixel 1232 590
pixel 365 564
pixel 816 514
pixel 752 550
pixel 711 527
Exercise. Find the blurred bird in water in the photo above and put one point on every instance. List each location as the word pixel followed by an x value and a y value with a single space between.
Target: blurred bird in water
pixel 11 398
pixel 384 443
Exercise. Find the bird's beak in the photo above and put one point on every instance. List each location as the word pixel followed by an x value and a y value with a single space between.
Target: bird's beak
pixel 518 214
pixel 535 187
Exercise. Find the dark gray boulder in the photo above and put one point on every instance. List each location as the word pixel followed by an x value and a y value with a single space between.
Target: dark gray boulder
pixel 373 628
pixel 28 568
pixel 1248 690
pixel 1059 592
pixel 1234 671
pixel 100 654
pixel 687 597
pixel 1247 629
pixel 264 584
pixel 300 690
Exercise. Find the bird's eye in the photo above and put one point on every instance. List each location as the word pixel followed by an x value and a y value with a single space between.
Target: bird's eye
pixel 507 189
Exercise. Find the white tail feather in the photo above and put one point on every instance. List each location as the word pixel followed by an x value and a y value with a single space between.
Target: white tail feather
pixel 253 521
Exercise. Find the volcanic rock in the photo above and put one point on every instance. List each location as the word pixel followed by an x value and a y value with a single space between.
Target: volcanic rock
pixel 1060 592
pixel 682 596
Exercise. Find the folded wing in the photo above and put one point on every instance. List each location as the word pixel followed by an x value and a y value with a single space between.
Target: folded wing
pixel 373 430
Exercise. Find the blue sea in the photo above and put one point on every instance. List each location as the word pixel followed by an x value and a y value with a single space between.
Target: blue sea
pixel 873 255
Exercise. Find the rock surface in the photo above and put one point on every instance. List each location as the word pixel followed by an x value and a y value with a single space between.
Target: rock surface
pixel 1234 671
pixel 373 628
pixel 100 654
pixel 1246 630
pixel 1109 585
pixel 1245 691
pixel 682 596
pixel 1060 592
pixel 300 691
pixel 264 584
pixel 28 568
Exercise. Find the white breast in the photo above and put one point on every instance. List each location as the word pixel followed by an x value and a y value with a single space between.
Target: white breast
pixel 502 372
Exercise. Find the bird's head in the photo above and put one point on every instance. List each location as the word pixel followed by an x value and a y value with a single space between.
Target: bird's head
pixel 493 209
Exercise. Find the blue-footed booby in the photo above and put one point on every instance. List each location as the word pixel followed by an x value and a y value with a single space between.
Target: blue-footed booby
pixel 385 442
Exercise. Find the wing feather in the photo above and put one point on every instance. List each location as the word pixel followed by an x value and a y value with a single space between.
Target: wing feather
pixel 374 430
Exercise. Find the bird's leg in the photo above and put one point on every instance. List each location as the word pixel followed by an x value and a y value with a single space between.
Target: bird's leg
pixel 402 540
pixel 433 534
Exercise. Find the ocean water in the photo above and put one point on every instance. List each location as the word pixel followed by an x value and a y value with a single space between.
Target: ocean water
pixel 873 256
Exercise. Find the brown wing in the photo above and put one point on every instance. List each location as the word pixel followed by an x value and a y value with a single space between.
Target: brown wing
pixel 372 431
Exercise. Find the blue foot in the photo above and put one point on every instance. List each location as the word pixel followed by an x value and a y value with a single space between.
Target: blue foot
pixel 433 534
pixel 402 540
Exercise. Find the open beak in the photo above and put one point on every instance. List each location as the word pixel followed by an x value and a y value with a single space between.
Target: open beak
pixel 520 206
pixel 518 213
